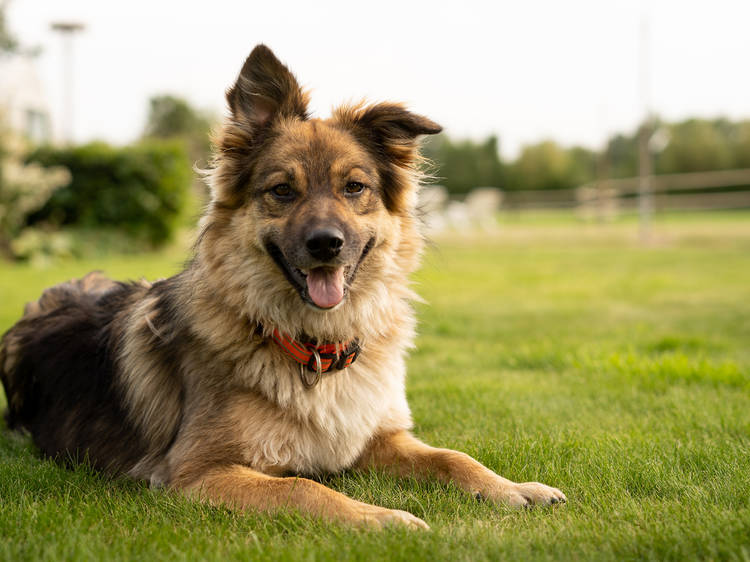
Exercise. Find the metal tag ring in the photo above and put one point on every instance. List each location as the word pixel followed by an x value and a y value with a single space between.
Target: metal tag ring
pixel 304 373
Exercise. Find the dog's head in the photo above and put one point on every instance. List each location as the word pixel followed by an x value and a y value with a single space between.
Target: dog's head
pixel 309 203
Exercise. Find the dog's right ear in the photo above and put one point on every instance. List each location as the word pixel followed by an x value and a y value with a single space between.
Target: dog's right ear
pixel 264 90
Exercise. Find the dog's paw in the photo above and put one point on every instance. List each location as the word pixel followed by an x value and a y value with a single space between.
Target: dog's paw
pixel 387 517
pixel 529 494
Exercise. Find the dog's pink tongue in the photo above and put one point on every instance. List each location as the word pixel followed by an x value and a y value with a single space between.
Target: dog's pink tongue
pixel 326 286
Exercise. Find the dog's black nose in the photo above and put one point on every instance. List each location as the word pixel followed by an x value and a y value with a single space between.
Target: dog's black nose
pixel 324 244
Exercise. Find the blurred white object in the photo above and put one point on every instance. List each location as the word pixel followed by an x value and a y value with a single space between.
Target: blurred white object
pixel 457 215
pixel 482 204
pixel 432 201
pixel 597 202
pixel 478 210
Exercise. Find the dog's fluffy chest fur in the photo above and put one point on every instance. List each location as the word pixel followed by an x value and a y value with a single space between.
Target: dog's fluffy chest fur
pixel 277 426
pixel 285 427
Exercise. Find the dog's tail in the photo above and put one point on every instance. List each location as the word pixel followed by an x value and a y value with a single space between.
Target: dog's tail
pixel 13 346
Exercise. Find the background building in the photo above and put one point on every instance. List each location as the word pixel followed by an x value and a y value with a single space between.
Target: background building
pixel 22 97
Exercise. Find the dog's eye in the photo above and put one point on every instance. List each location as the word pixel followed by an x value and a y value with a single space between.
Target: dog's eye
pixel 283 192
pixel 354 188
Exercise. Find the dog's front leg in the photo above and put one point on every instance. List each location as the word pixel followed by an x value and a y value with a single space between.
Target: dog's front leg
pixel 403 454
pixel 241 487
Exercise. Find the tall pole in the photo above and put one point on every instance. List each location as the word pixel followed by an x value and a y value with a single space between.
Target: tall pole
pixel 645 194
pixel 67 30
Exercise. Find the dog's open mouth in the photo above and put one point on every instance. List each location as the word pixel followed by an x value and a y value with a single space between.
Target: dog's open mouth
pixel 323 287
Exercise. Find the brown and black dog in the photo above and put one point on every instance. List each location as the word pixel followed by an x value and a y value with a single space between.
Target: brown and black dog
pixel 279 350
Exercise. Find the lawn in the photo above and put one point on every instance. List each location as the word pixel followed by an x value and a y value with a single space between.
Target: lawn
pixel 550 351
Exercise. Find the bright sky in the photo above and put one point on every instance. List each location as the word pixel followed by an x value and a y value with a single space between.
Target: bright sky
pixel 524 70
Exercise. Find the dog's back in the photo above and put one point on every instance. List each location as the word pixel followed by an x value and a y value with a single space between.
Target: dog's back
pixel 58 372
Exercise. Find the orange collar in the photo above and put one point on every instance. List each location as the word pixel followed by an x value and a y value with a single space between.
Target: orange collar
pixel 317 359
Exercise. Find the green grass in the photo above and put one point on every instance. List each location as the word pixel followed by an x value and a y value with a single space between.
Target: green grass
pixel 550 351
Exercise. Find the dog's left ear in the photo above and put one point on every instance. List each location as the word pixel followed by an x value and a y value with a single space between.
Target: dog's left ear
pixel 389 125
pixel 265 89
pixel 390 130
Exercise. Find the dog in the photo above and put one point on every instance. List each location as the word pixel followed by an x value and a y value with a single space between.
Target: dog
pixel 278 354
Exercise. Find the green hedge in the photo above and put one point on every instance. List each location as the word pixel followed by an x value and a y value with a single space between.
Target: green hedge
pixel 139 189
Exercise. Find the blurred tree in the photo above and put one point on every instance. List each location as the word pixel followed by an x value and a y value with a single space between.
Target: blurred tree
pixel 547 165
pixel 692 145
pixel 464 165
pixel 171 117
pixel 622 156
pixel 741 146
pixel 583 165
pixel 698 145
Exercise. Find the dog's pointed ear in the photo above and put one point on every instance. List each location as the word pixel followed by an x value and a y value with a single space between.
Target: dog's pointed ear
pixel 391 132
pixel 264 90
pixel 392 123
pixel 389 127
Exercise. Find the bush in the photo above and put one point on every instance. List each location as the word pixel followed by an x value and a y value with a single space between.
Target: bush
pixel 139 189
pixel 42 247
